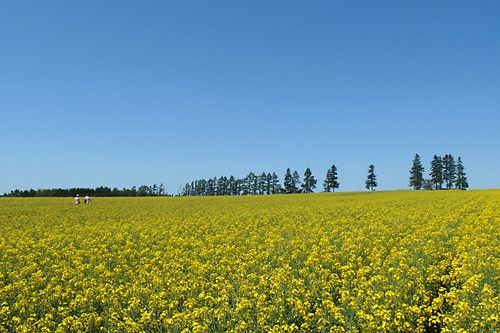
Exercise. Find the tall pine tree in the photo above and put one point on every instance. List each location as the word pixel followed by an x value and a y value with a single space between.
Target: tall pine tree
pixel 416 174
pixel 289 182
pixel 437 172
pixel 331 183
pixel 371 180
pixel 296 181
pixel 309 183
pixel 275 184
pixel 449 171
pixel 461 180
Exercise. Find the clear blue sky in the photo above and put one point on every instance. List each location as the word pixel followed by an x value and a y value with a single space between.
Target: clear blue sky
pixel 124 93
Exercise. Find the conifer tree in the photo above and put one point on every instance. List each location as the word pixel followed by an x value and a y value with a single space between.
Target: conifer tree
pixel 249 187
pixel 233 185
pixel 331 183
pixel 371 180
pixel 211 186
pixel 222 186
pixel 296 181
pixel 291 182
pixel 461 180
pixel 309 183
pixel 268 183
pixel 288 182
pixel 437 172
pixel 162 190
pixel 449 171
pixel 416 174
pixel 263 189
pixel 275 184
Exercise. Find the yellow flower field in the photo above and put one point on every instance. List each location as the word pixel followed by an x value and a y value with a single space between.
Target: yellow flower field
pixel 397 261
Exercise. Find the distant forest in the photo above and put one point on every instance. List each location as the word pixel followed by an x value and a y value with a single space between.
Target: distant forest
pixel 445 173
pixel 101 191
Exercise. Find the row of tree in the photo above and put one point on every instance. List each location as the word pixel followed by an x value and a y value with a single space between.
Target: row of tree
pixel 265 183
pixel 444 173
pixel 101 191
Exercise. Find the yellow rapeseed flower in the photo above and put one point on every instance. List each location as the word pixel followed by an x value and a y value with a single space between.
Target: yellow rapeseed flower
pixel 397 261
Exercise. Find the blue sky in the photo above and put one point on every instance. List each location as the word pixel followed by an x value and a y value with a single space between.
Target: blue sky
pixel 124 93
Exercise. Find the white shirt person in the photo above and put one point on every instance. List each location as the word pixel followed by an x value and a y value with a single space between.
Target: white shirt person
pixel 87 199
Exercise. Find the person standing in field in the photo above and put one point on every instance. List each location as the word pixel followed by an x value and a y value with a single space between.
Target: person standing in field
pixel 87 199
pixel 77 200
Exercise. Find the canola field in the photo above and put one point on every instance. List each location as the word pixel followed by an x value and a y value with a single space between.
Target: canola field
pixel 396 261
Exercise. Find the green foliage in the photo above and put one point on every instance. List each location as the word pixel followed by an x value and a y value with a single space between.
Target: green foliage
pixel 416 174
pixel 290 182
pixel 101 191
pixel 443 170
pixel 461 179
pixel 331 183
pixel 371 180
pixel 449 171
pixel 309 183
pixel 437 172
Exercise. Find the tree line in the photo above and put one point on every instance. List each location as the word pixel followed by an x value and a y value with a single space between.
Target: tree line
pixel 445 173
pixel 260 184
pixel 101 191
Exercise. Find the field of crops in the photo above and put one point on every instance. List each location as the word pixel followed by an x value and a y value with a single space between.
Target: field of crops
pixel 398 261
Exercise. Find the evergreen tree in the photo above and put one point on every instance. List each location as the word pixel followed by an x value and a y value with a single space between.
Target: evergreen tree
pixel 449 171
pixel 371 180
pixel 262 183
pixel 144 190
pixel 296 181
pixel 289 182
pixel 186 191
pixel 416 174
pixel 201 187
pixel 162 190
pixel 309 183
pixel 255 185
pixel 211 186
pixel 437 172
pixel 248 187
pixel 222 186
pixel 331 183
pixel 104 191
pixel 233 185
pixel 275 184
pixel 268 183
pixel 461 180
